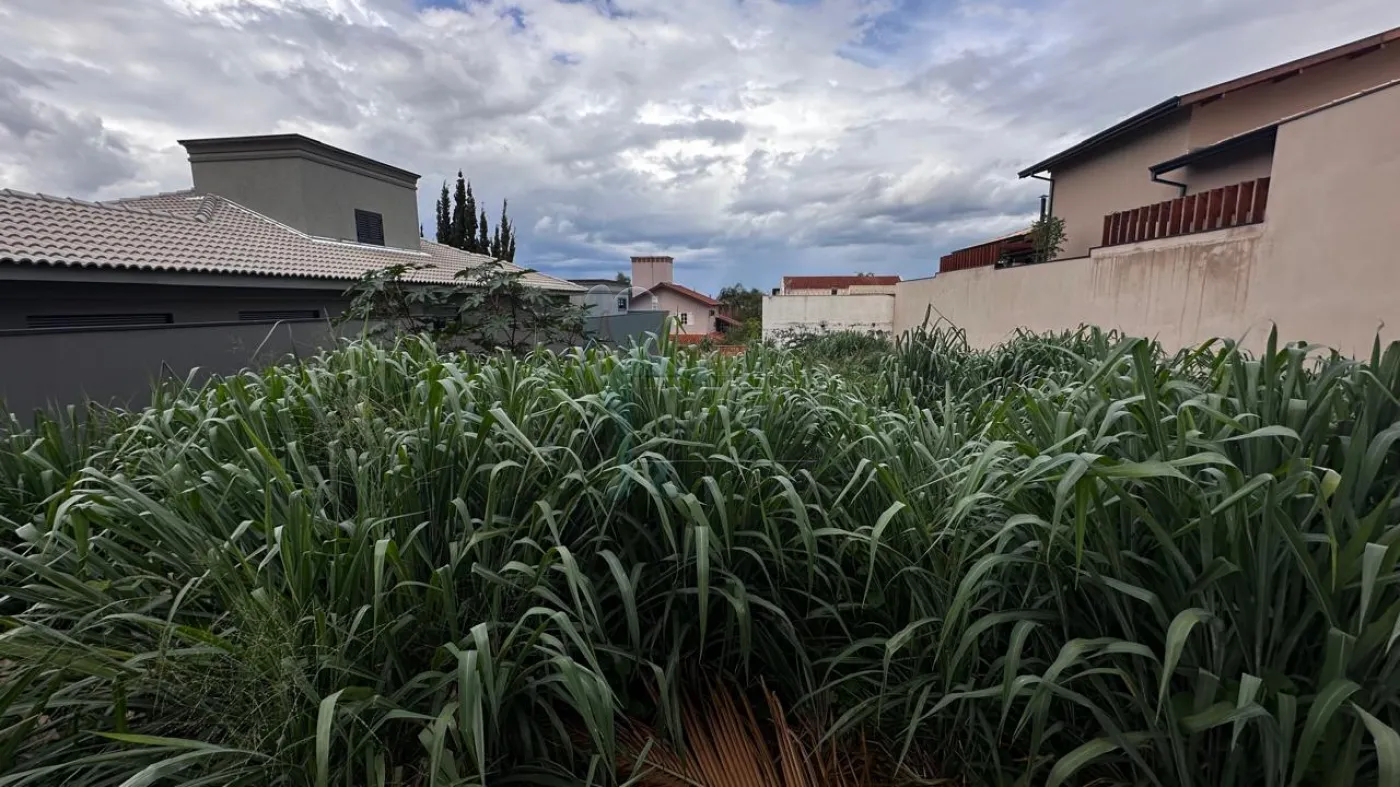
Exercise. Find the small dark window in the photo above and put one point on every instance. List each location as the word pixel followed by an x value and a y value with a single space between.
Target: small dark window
pixel 622 303
pixel 96 320
pixel 369 227
pixel 833 291
pixel 279 314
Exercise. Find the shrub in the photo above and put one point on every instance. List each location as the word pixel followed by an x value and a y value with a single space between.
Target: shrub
pixel 1068 559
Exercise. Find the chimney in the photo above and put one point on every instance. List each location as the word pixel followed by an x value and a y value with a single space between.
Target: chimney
pixel 310 186
pixel 647 272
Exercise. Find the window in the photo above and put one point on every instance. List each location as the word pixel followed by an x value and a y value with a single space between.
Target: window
pixel 833 290
pixel 684 318
pixel 95 320
pixel 621 304
pixel 279 314
pixel 369 227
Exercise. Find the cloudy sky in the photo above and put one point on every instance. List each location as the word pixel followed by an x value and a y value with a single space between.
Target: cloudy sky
pixel 747 138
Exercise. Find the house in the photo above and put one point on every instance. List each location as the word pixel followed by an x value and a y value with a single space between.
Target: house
pixel 817 304
pixel 1268 200
pixel 604 297
pixel 253 259
pixel 1209 139
pixel 274 228
pixel 654 289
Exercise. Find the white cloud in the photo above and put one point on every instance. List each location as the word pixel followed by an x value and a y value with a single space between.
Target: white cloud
pixel 750 139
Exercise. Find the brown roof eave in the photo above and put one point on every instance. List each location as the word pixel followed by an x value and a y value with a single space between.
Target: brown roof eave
pixel 1124 127
pixel 1353 49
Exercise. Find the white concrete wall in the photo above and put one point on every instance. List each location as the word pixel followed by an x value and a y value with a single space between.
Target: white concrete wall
pixel 1323 266
pixel 825 313
pixel 854 289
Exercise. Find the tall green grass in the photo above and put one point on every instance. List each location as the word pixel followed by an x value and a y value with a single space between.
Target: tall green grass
pixel 1072 559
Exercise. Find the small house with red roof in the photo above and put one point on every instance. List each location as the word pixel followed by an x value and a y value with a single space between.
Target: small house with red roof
pixel 654 289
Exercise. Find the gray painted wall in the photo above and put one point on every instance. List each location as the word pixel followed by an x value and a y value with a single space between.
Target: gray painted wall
pixel 314 197
pixel 187 304
pixel 117 367
pixel 623 329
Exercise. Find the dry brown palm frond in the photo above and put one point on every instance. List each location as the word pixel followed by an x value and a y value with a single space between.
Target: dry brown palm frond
pixel 728 744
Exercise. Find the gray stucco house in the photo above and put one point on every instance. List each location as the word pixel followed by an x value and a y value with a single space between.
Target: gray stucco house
pixel 249 263
pixel 275 227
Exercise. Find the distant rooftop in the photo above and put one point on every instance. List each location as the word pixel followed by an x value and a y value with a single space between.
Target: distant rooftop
pixel 204 233
pixel 836 282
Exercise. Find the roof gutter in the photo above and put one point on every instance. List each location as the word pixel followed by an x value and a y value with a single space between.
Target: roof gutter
pixel 1109 134
pixel 1259 135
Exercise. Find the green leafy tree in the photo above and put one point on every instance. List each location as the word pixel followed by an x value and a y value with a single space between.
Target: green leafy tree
pixel 742 303
pixel 1048 235
pixel 488 308
pixel 483 243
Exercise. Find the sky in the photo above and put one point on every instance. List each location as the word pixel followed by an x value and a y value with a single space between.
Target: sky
pixel 749 139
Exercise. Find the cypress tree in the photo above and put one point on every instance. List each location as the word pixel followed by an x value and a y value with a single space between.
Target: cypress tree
pixel 469 235
pixel 484 244
pixel 444 216
pixel 500 245
pixel 459 214
pixel 510 250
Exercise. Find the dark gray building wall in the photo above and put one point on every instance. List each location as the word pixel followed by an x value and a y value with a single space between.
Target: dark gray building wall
pixel 118 367
pixel 622 329
pixel 20 300
pixel 308 186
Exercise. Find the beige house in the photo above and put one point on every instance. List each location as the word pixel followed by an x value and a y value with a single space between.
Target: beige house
pixel 1171 149
pixel 1266 200
pixel 654 289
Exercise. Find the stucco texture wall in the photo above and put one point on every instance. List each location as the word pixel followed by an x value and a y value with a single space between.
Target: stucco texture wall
pixel 1329 268
pixel 818 313
pixel 698 319
pixel 1323 265
pixel 315 198
pixel 1180 291
pixel 1227 171
pixel 1112 180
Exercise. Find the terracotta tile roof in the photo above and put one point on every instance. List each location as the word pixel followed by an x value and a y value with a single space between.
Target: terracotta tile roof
pixel 188 232
pixel 686 291
pixel 834 282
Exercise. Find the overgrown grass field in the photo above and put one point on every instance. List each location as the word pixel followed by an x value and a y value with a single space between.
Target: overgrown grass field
pixel 1072 559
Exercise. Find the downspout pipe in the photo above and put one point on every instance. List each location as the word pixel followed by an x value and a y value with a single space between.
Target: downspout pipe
pixel 1047 210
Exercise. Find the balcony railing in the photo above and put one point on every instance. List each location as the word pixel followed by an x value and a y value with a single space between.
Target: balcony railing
pixel 987 254
pixel 1228 206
